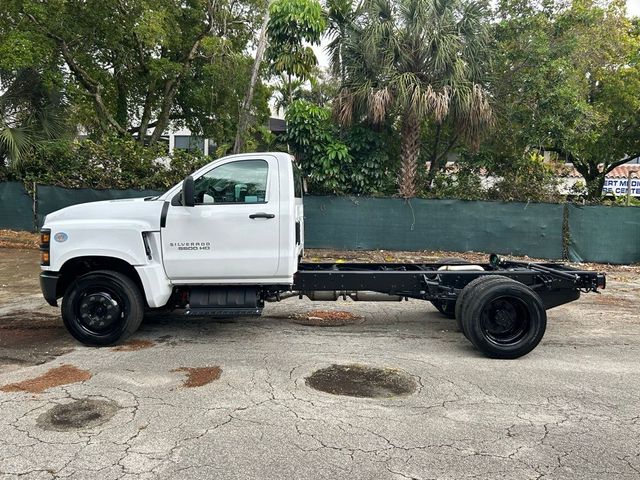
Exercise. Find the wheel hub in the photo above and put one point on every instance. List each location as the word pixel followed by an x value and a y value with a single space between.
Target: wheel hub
pixel 503 322
pixel 99 311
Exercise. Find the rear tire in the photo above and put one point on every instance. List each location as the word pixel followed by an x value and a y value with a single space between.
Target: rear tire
pixel 102 307
pixel 504 319
pixel 471 290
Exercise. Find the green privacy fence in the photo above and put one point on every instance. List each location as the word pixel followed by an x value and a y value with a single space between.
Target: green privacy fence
pixel 604 234
pixel 16 207
pixel 594 233
pixel 454 225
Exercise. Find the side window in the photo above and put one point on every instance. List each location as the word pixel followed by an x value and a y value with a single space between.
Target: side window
pixel 244 181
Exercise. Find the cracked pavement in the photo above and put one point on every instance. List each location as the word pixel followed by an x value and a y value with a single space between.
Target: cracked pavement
pixel 570 409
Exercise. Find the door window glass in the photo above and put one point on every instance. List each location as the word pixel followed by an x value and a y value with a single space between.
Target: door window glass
pixel 243 181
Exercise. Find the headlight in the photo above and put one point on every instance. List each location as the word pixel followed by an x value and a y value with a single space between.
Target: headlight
pixel 45 242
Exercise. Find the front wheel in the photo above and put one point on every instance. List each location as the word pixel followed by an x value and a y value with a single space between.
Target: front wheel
pixel 102 307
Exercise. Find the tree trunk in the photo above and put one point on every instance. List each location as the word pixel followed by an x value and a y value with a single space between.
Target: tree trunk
pixel 410 151
pixel 146 112
pixel 170 90
pixel 594 184
pixel 243 119
pixel 593 178
pixel 122 100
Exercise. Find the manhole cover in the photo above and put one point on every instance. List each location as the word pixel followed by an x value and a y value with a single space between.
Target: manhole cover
pixel 362 381
pixel 326 318
pixel 76 415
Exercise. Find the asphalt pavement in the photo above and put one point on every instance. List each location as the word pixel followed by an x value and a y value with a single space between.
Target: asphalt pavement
pixel 198 398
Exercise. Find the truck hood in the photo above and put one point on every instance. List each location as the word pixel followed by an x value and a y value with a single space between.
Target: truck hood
pixel 117 211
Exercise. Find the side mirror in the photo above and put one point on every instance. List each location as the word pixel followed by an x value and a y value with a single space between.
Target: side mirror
pixel 188 192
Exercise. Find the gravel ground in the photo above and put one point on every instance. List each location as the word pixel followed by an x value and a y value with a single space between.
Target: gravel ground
pixel 196 398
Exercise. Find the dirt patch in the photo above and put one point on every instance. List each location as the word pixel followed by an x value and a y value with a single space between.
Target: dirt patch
pixel 362 381
pixel 62 375
pixel 77 415
pixel 199 376
pixel 19 274
pixel 326 318
pixel 427 256
pixel 133 345
pixel 14 239
pixel 611 300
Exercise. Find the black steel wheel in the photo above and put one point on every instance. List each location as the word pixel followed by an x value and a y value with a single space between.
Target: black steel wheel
pixel 504 319
pixel 102 307
pixel 448 307
pixel 470 291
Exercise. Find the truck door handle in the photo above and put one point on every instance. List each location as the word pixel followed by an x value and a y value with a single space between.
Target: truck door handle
pixel 262 215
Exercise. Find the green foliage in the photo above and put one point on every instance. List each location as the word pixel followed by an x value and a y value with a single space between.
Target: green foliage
pixel 372 170
pixel 411 60
pixel 488 177
pixel 464 182
pixel 114 162
pixel 567 79
pixel 356 164
pixel 126 67
pixel 291 23
pixel 31 114
pixel 526 179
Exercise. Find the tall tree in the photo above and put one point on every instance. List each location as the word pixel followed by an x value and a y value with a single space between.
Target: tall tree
pixel 414 61
pixel 293 25
pixel 127 64
pixel 568 81
pixel 340 16
pixel 248 99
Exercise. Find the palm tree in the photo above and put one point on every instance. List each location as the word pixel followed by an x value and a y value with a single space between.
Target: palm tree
pixel 285 91
pixel 31 112
pixel 415 60
pixel 340 17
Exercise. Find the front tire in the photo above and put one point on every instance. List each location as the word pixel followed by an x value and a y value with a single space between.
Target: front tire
pixel 102 307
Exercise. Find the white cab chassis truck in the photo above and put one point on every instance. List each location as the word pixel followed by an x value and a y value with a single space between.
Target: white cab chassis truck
pixel 230 237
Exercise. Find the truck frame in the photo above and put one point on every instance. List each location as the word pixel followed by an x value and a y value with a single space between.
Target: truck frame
pixel 230 238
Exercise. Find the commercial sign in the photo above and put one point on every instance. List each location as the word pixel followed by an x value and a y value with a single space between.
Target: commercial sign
pixel 618 186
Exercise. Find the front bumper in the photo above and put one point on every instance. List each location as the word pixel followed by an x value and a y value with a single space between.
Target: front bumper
pixel 49 287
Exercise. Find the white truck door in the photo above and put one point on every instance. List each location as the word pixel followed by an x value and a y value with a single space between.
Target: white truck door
pixel 231 235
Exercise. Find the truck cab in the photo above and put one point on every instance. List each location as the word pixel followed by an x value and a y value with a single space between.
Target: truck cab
pixel 231 229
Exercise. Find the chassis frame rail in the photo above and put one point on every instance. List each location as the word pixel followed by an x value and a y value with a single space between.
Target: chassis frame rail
pixel 556 283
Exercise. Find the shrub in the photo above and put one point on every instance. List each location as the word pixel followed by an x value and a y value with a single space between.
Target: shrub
pixel 356 162
pixel 115 162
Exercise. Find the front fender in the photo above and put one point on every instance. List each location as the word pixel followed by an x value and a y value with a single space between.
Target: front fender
pixel 118 239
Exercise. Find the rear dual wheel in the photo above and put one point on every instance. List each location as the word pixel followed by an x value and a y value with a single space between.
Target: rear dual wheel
pixel 503 318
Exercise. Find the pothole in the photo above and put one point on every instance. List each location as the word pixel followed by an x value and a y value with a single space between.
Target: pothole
pixel 362 381
pixel 77 415
pixel 327 318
